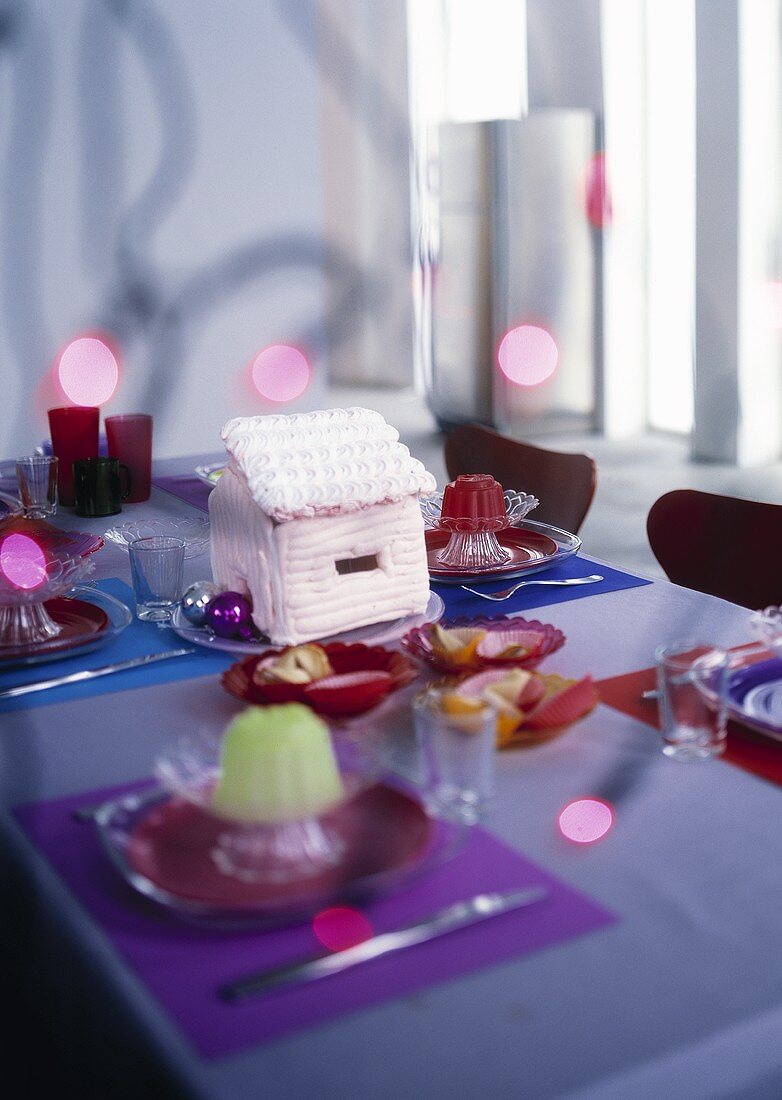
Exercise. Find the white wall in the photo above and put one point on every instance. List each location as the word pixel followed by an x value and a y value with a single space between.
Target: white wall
pixel 160 179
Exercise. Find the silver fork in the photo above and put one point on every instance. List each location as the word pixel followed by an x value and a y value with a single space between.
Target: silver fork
pixel 504 593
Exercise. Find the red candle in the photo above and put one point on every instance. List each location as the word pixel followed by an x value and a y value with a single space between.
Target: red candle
pixel 130 440
pixel 74 432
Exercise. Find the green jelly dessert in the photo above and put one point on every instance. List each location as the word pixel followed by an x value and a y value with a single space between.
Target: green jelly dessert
pixel 278 764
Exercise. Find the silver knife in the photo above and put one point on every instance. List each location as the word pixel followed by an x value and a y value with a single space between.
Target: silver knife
pixel 92 673
pixel 459 915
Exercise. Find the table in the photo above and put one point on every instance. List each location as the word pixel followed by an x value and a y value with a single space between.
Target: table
pixel 682 997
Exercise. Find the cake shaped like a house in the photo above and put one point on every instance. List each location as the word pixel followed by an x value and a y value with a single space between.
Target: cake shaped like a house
pixel 316 519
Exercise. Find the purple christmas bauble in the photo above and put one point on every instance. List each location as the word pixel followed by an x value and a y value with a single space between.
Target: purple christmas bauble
pixel 229 615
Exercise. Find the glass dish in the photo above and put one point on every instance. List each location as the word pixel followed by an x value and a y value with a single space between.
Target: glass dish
pixel 517 506
pixel 194 530
pixel 373 634
pixel 535 547
pixel 754 697
pixel 117 618
pixel 38 563
pixel 210 475
pixel 767 625
pixel 160 844
pixel 348 690
pixel 536 640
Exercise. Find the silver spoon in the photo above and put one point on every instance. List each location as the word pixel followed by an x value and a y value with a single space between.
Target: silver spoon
pixel 504 593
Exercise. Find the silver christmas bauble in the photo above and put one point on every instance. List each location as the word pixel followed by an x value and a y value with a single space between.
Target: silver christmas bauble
pixel 196 600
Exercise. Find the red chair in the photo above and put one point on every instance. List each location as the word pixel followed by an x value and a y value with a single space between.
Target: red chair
pixel 563 483
pixel 727 547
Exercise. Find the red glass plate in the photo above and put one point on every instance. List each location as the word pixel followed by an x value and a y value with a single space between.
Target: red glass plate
pixel 527 549
pixel 80 622
pixel 161 846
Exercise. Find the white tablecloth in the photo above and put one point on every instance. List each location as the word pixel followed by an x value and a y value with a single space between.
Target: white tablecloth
pixel 681 998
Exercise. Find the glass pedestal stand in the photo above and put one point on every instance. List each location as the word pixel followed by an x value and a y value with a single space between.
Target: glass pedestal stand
pixel 473 550
pixel 24 619
pixel 283 852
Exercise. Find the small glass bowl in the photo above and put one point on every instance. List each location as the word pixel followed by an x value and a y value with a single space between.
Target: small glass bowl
pixel 193 530
pixel 517 506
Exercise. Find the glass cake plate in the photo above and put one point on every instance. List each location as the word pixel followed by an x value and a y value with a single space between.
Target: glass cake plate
pixel 533 547
pixel 162 844
pixel 90 619
pixel 372 634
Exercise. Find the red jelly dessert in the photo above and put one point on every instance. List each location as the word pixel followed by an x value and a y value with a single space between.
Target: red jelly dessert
pixel 476 499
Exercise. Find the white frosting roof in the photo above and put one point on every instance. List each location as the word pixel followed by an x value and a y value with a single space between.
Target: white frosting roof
pixel 322 463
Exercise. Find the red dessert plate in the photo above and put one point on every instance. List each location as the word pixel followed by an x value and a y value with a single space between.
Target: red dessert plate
pixel 537 638
pixel 527 548
pixel 79 621
pixel 363 675
pixel 162 846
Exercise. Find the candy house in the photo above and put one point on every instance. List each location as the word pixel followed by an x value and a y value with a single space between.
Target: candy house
pixel 316 519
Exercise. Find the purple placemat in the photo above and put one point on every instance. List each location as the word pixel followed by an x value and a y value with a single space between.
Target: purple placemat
pixel 190 489
pixel 183 966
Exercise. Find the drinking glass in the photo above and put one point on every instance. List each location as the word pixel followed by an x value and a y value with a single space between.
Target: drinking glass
pixel 36 476
pixel 129 439
pixel 692 680
pixel 157 565
pixel 74 431
pixel 459 754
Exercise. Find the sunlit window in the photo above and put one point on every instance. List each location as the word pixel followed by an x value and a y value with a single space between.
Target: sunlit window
pixel 670 120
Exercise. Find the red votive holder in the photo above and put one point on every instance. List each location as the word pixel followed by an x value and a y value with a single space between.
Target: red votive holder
pixel 74 432
pixel 129 439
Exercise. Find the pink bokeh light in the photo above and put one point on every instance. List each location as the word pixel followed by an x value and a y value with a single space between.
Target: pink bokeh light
pixel 597 196
pixel 280 373
pixel 88 371
pixel 341 927
pixel 586 820
pixel 22 562
pixel 528 355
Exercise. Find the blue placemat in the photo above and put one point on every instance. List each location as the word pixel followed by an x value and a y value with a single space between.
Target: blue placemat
pixel 136 641
pixel 458 602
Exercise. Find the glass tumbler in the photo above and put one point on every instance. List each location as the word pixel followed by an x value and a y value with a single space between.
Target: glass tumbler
pixel 36 476
pixel 692 681
pixel 157 565
pixel 459 752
